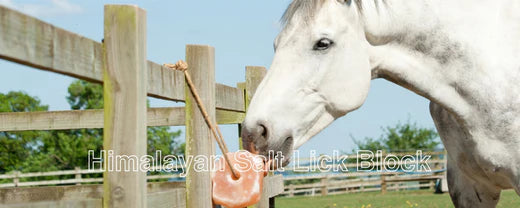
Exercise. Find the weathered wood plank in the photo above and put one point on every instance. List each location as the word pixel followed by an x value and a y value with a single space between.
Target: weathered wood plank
pixel 93 119
pixel 165 83
pixel 20 176
pixel 167 199
pixel 166 116
pixel 165 194
pixel 201 62
pixel 414 178
pixel 54 182
pixel 242 87
pixel 273 185
pixel 124 87
pixel 50 173
pixel 229 98
pixel 230 117
pixel 59 196
pixel 32 42
pixel 254 76
pixel 51 120
pixel 29 41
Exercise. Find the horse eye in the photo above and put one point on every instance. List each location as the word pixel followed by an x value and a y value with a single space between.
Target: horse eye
pixel 323 44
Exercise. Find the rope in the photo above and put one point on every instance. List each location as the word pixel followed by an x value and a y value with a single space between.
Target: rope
pixel 215 130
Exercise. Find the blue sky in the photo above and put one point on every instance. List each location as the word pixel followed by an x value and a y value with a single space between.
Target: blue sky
pixel 242 33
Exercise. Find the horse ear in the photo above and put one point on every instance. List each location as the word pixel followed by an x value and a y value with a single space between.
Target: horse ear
pixel 348 2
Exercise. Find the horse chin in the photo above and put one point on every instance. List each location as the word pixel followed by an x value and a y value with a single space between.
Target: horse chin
pixel 281 162
pixel 280 156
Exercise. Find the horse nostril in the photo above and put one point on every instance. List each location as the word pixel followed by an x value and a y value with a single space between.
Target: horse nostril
pixel 288 142
pixel 254 137
pixel 288 139
pixel 263 131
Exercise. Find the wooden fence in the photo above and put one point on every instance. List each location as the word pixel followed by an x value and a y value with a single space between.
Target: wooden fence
pixel 120 64
pixel 362 181
pixel 320 183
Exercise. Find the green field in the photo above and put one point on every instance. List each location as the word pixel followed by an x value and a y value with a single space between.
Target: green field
pixel 400 199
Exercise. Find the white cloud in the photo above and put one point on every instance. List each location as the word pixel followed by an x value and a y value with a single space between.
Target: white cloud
pixel 45 9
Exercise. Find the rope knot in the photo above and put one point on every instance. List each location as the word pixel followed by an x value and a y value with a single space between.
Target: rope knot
pixel 180 65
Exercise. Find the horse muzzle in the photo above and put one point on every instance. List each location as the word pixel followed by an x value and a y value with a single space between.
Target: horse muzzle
pixel 260 138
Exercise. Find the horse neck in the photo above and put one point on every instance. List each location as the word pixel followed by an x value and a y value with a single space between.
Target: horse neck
pixel 404 50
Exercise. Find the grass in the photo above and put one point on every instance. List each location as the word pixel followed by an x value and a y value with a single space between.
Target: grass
pixel 399 199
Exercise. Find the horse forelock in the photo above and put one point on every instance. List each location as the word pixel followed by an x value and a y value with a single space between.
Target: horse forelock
pixel 308 8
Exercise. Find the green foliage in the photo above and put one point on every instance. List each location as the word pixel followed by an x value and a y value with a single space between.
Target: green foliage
pixel 370 144
pixel 20 102
pixel 85 95
pixel 402 137
pixel 16 147
pixel 161 139
pixel 66 149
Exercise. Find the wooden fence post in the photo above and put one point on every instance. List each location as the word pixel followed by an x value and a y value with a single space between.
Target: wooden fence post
pixel 432 185
pixel 383 184
pixel 291 190
pixel 199 143
pixel 16 179
pixel 324 186
pixel 242 86
pixel 124 87
pixel 78 175
pixel 254 75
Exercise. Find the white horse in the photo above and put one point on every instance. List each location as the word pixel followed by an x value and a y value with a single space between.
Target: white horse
pixel 462 55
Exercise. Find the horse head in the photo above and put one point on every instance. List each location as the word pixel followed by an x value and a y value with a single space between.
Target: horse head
pixel 320 72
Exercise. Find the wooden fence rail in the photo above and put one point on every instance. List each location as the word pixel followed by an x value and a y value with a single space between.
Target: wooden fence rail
pixel 365 181
pixel 92 119
pixel 32 42
pixel 326 183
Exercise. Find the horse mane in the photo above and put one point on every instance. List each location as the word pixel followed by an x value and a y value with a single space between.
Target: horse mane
pixel 309 8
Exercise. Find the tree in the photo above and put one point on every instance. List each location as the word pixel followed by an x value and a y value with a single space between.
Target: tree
pixel 402 137
pixel 66 149
pixel 16 147
pixel 20 102
pixel 85 95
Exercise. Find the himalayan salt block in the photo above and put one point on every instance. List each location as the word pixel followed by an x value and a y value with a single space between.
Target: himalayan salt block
pixel 244 191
